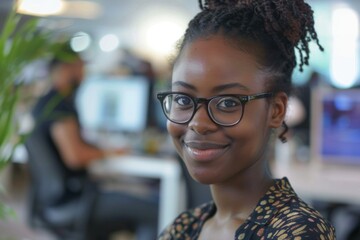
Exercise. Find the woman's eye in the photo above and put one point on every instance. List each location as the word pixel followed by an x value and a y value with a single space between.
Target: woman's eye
pixel 228 102
pixel 183 100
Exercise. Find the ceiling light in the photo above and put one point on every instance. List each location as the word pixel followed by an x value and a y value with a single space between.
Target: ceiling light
pixel 109 43
pixel 40 7
pixel 161 36
pixel 80 41
pixel 344 65
pixel 82 9
pixel 75 9
pixel 345 16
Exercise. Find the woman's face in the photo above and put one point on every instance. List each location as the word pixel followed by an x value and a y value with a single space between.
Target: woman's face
pixel 212 153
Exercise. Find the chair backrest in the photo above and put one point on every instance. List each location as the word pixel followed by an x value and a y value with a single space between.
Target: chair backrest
pixel 49 204
pixel 47 175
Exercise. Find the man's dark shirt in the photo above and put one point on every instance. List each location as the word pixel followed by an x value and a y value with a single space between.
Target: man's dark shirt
pixel 49 109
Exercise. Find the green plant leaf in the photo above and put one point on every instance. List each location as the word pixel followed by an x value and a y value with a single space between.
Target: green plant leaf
pixel 10 25
pixel 20 44
pixel 6 212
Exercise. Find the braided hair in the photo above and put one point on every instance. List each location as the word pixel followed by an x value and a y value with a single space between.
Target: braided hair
pixel 281 27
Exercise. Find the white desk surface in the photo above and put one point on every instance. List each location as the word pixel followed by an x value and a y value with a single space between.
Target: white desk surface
pixel 327 183
pixel 167 170
pixel 311 182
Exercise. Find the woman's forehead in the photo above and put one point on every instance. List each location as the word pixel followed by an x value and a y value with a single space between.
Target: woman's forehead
pixel 215 60
pixel 218 50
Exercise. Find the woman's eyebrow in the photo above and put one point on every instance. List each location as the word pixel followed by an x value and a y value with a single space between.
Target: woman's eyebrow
pixel 183 84
pixel 229 86
pixel 216 89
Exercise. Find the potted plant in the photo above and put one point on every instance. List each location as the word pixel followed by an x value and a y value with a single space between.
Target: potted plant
pixel 21 42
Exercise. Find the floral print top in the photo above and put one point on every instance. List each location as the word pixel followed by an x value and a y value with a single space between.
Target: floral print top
pixel 279 215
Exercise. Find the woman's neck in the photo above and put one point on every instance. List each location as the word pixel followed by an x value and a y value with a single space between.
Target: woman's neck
pixel 238 198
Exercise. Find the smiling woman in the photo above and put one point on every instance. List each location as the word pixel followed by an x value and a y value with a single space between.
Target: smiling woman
pixel 230 86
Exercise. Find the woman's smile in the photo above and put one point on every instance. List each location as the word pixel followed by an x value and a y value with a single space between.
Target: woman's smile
pixel 202 151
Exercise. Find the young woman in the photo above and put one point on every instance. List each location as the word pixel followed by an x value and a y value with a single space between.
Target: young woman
pixel 230 86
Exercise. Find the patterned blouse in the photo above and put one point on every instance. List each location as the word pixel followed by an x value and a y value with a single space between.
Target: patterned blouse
pixel 280 214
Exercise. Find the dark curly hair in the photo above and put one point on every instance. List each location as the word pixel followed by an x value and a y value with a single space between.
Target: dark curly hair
pixel 279 26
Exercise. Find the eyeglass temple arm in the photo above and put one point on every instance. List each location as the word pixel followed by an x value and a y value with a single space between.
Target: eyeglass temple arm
pixel 260 95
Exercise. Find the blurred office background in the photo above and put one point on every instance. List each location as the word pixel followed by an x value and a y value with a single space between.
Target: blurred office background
pixel 128 46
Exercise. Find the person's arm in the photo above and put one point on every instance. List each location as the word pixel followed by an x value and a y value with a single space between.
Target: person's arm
pixel 75 152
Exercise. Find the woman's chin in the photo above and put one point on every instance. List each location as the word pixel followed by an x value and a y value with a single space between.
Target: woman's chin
pixel 203 176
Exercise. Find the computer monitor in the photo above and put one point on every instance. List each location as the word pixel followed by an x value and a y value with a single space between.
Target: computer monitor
pixel 114 103
pixel 335 126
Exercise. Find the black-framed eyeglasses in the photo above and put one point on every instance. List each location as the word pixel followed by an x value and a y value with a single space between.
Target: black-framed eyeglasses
pixel 225 110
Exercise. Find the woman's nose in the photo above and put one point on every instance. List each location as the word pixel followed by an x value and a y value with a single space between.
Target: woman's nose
pixel 201 122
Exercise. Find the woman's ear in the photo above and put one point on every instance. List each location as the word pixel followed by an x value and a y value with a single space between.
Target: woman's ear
pixel 278 109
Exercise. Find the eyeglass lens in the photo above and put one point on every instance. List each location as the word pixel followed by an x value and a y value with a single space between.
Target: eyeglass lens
pixel 223 109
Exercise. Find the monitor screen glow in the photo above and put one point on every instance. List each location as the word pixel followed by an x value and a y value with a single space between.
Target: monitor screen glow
pixel 336 126
pixel 114 103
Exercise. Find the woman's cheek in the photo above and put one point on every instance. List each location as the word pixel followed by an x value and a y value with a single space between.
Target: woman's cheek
pixel 176 132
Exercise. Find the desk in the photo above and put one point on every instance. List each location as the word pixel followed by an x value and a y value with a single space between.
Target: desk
pixel 167 170
pixel 318 182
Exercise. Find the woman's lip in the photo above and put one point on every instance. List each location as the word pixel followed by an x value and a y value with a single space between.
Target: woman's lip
pixel 204 145
pixel 205 152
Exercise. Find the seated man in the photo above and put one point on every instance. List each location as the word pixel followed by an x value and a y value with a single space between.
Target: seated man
pixel 57 121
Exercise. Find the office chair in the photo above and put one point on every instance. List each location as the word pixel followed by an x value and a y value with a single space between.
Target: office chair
pixel 66 219
pixel 74 218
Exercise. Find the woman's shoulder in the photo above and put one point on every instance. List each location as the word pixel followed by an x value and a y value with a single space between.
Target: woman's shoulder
pixel 299 221
pixel 295 219
pixel 188 223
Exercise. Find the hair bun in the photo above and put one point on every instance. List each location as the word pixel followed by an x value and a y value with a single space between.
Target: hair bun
pixel 290 23
pixel 211 4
